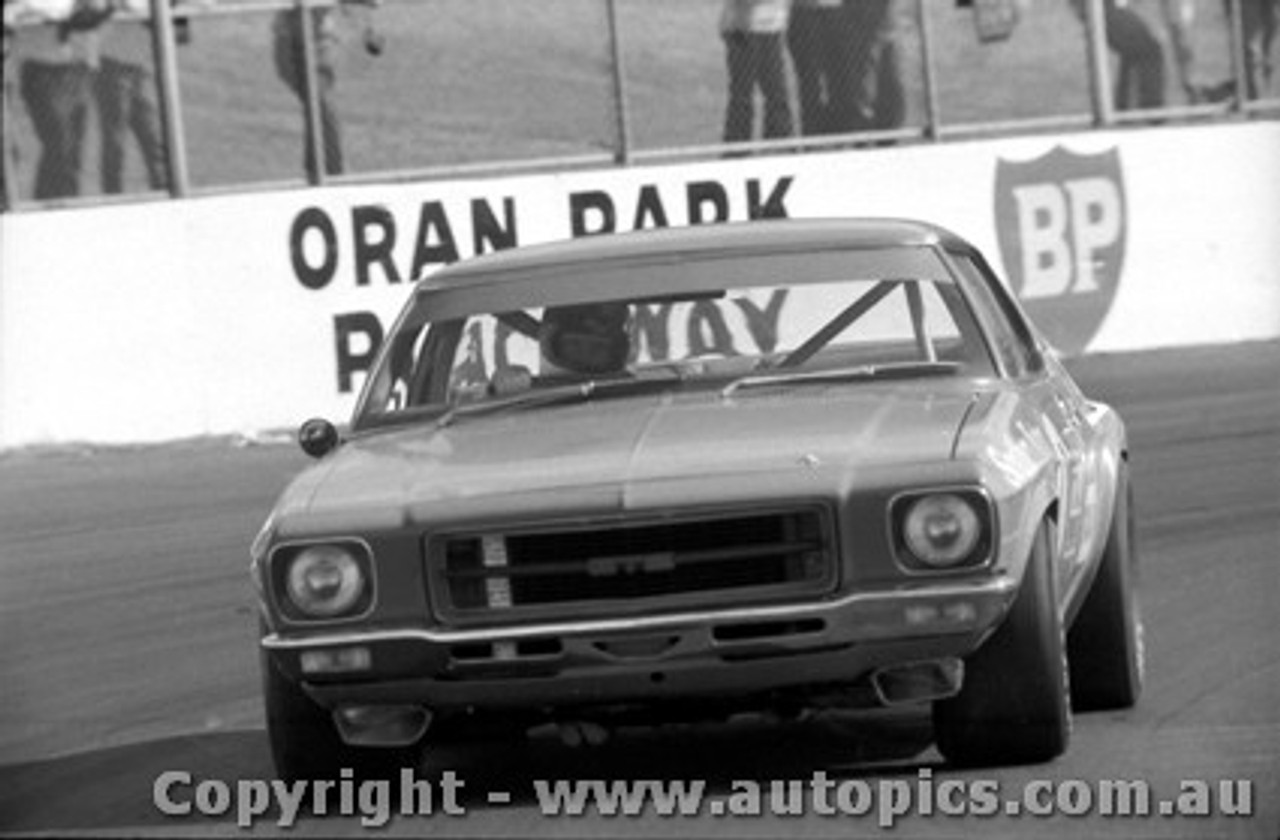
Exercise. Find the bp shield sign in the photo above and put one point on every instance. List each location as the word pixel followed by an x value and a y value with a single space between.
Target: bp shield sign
pixel 1061 223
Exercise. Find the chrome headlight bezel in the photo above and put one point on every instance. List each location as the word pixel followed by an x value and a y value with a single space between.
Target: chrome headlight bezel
pixel 343 565
pixel 975 515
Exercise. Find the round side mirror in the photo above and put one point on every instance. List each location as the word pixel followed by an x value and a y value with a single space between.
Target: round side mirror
pixel 317 437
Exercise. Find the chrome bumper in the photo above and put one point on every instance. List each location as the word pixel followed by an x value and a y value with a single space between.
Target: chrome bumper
pixel 746 649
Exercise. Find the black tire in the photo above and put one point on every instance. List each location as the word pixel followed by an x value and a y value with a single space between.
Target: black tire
pixel 1105 644
pixel 305 743
pixel 1013 707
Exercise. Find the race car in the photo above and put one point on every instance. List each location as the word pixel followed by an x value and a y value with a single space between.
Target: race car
pixel 684 474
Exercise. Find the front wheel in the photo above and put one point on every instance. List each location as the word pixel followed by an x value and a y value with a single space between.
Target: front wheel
pixel 1013 707
pixel 1105 644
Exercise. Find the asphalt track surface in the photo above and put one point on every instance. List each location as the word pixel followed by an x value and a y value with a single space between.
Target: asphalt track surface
pixel 127 645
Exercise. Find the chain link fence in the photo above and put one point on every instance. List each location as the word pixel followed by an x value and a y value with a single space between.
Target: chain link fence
pixel 107 99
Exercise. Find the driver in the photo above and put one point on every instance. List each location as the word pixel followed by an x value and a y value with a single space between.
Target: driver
pixel 585 339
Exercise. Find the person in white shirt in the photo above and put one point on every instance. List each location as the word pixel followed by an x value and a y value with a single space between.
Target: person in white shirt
pixel 55 79
pixel 754 35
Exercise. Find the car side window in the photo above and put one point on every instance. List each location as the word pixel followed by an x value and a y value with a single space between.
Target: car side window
pixel 1010 336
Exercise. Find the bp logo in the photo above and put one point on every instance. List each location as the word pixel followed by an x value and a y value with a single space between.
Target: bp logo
pixel 1060 220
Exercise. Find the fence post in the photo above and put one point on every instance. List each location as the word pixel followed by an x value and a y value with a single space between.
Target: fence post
pixel 166 57
pixel 933 117
pixel 311 101
pixel 10 172
pixel 623 153
pixel 1095 36
pixel 1238 46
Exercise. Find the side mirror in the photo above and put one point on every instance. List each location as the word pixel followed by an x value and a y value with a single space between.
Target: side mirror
pixel 317 437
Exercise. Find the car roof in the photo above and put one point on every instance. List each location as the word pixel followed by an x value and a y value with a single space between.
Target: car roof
pixel 705 254
pixel 725 240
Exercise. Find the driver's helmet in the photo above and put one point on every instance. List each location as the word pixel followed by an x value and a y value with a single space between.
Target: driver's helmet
pixel 589 339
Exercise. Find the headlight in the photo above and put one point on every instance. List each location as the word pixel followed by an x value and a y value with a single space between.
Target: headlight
pixel 943 530
pixel 323 580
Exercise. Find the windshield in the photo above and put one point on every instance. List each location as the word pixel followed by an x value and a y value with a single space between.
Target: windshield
pixel 732 340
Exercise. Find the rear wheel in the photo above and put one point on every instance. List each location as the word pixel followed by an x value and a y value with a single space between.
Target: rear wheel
pixel 1013 707
pixel 305 743
pixel 1105 644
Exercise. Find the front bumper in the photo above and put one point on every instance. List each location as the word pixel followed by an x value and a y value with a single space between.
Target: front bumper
pixel 680 656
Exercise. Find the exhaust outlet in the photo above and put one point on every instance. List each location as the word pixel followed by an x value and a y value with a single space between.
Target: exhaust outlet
pixel 917 682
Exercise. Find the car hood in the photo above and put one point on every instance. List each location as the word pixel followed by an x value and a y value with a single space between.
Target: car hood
pixel 615 454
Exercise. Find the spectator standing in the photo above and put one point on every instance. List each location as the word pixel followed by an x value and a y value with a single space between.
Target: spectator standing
pixel 1141 76
pixel 288 51
pixel 126 93
pixel 845 56
pixel 754 37
pixel 1259 20
pixel 55 84
pixel 818 43
pixel 9 153
pixel 879 101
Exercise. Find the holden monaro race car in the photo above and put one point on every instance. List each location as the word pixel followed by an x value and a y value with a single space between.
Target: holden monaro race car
pixel 682 474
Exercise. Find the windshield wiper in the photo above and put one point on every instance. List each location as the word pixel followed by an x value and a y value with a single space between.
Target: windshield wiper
pixel 527 399
pixel 556 395
pixel 845 374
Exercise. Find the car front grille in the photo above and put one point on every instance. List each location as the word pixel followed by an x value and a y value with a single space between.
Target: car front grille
pixel 702 561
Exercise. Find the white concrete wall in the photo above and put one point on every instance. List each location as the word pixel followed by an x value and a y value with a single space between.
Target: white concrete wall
pixel 156 321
